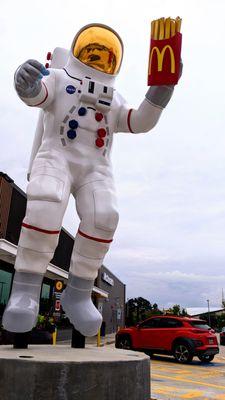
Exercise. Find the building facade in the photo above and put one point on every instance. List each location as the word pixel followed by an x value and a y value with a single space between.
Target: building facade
pixel 108 292
pixel 113 306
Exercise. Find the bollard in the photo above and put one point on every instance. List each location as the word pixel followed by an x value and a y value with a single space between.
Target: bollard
pixel 54 337
pixel 99 338
pixel 78 340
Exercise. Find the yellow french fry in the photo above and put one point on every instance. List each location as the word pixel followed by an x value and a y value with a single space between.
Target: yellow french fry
pixel 152 29
pixel 178 24
pixel 167 28
pixel 156 29
pixel 161 28
pixel 172 28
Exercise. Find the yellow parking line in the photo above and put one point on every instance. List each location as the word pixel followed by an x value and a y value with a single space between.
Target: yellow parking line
pixel 181 372
pixel 173 370
pixel 166 389
pixel 188 381
pixel 192 395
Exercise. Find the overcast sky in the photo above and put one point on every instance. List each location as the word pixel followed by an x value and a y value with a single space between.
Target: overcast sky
pixel 169 246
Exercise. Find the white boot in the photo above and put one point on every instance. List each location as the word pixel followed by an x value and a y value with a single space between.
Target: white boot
pixel 78 306
pixel 22 309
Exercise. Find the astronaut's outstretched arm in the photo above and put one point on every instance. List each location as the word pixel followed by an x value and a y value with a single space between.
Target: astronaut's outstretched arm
pixel 34 84
pixel 147 115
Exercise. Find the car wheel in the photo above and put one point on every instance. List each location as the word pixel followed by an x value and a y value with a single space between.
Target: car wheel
pixel 182 353
pixel 206 358
pixel 124 342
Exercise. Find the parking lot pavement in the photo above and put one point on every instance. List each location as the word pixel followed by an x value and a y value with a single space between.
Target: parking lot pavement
pixel 222 355
pixel 222 352
pixel 173 381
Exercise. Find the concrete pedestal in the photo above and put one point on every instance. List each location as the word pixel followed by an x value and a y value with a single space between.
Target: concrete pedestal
pixel 63 373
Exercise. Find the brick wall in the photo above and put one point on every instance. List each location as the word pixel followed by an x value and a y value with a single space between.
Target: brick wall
pixel 5 201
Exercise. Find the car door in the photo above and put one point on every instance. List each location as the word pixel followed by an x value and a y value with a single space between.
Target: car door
pixel 167 331
pixel 148 333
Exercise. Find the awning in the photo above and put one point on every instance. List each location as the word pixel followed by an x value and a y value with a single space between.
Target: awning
pixel 8 253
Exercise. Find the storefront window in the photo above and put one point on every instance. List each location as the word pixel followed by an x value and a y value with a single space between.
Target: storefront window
pixel 45 293
pixel 45 302
pixel 5 285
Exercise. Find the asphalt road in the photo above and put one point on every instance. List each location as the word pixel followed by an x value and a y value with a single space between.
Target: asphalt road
pixel 173 381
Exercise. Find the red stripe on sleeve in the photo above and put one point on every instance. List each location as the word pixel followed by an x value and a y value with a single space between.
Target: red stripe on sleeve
pixel 128 120
pixel 35 105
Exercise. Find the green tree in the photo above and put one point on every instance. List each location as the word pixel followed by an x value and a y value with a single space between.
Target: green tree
pixel 177 310
pixel 184 312
pixel 221 321
pixel 137 309
pixel 155 310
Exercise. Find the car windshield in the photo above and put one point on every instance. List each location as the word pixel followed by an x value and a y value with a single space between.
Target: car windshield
pixel 223 329
pixel 200 324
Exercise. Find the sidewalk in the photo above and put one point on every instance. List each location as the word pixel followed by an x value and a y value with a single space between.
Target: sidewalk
pixel 105 340
pixel 92 341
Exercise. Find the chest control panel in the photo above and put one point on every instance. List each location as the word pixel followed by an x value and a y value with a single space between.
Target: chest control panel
pixel 97 94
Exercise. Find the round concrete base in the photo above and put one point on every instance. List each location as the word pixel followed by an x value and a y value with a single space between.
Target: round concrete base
pixel 63 373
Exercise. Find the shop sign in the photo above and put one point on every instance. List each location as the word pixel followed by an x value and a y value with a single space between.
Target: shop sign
pixel 58 286
pixel 107 279
pixel 57 305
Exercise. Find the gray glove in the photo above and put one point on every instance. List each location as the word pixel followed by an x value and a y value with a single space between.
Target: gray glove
pixel 28 78
pixel 161 95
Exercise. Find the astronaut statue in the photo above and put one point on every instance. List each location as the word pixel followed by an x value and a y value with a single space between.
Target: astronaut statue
pixel 81 111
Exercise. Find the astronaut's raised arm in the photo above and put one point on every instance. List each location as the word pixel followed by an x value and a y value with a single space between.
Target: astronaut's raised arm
pixel 35 85
pixel 147 115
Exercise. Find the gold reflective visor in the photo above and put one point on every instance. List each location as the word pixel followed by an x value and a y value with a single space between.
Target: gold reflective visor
pixel 99 47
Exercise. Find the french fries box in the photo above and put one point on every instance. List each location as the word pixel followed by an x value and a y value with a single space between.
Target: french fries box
pixel 164 61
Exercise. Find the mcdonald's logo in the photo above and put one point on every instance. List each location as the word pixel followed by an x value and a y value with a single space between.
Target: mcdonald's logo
pixel 160 58
pixel 58 286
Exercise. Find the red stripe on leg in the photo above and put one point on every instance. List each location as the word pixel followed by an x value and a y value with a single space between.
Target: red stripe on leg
pixel 94 238
pixel 35 228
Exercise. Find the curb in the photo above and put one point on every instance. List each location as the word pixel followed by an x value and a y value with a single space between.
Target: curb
pixel 107 343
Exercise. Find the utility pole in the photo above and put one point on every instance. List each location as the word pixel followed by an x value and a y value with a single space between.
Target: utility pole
pixel 209 322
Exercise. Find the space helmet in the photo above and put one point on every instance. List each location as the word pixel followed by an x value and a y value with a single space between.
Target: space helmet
pixel 100 47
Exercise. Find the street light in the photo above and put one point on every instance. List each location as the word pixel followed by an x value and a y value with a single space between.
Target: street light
pixel 209 322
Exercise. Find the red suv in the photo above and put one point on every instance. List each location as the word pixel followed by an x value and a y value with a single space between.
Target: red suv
pixel 181 337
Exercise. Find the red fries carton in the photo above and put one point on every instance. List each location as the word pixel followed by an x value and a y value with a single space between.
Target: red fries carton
pixel 164 60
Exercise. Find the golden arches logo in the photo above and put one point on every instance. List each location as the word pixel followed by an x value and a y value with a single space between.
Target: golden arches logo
pixel 160 58
pixel 59 285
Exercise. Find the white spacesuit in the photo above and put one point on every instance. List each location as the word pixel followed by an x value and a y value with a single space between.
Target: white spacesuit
pixel 81 111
